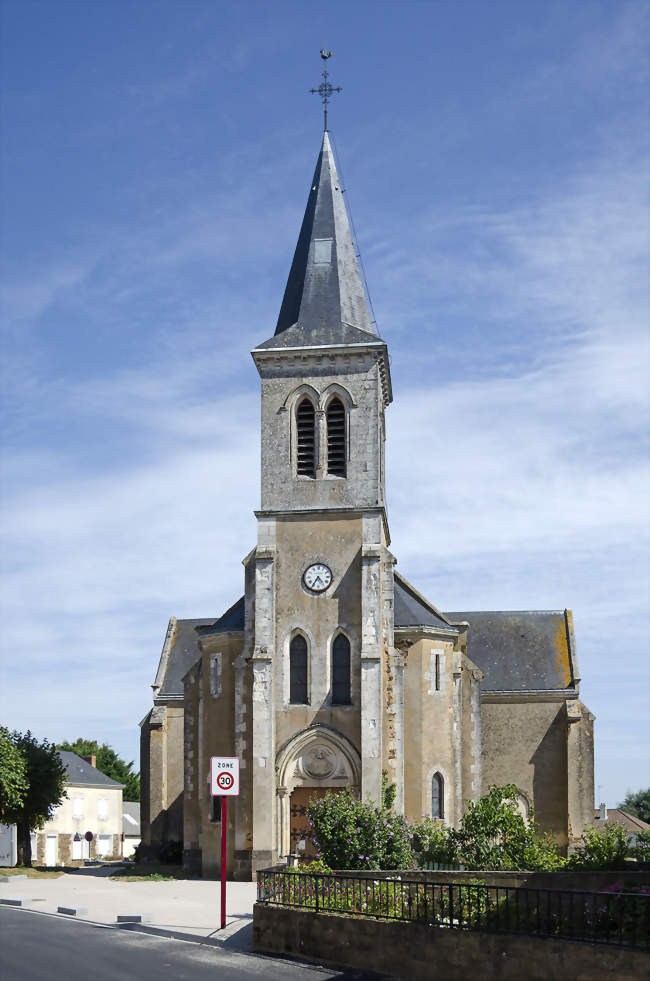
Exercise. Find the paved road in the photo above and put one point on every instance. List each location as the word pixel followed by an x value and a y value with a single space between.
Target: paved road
pixel 40 947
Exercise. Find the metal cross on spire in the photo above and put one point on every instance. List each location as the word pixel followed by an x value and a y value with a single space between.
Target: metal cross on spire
pixel 325 90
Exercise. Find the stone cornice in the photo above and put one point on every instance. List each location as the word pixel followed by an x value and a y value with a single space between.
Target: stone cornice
pixel 530 695
pixel 425 630
pixel 319 353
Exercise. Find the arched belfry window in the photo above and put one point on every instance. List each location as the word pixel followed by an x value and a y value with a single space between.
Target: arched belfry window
pixel 437 796
pixel 306 429
pixel 341 670
pixel 336 438
pixel 298 671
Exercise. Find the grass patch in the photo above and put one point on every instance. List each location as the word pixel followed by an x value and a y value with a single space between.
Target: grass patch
pixel 151 872
pixel 35 872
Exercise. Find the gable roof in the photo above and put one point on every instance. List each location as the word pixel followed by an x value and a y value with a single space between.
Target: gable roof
pixel 628 821
pixel 527 650
pixel 80 773
pixel 184 651
pixel 232 621
pixel 413 610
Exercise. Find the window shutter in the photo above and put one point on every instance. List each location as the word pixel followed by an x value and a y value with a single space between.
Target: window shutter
pixel 336 438
pixel 305 421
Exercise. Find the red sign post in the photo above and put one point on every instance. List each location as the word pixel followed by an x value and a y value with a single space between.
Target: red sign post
pixel 224 783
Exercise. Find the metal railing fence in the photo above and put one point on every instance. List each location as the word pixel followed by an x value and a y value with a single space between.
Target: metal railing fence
pixel 615 918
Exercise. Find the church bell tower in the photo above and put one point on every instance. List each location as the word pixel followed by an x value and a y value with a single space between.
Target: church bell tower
pixel 325 679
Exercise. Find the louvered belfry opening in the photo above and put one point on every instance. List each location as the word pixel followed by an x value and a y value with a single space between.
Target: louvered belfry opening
pixel 298 671
pixel 336 438
pixel 305 420
pixel 341 670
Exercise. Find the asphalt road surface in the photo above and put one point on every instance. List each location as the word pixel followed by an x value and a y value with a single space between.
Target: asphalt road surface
pixel 39 947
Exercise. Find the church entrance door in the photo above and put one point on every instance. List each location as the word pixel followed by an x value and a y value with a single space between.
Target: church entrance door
pixel 300 799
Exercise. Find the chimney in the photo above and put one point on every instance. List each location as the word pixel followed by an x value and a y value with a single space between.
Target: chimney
pixel 603 811
pixel 90 759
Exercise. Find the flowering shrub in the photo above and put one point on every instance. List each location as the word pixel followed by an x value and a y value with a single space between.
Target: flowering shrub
pixel 349 834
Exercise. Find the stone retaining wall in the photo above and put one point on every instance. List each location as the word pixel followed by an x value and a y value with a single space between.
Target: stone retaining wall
pixel 413 952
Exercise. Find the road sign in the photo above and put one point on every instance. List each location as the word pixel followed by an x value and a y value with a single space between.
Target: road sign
pixel 224 783
pixel 89 836
pixel 224 776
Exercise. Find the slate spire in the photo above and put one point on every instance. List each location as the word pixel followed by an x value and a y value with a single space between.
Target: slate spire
pixel 324 300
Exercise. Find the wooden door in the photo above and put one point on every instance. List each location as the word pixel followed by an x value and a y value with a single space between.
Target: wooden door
pixel 300 799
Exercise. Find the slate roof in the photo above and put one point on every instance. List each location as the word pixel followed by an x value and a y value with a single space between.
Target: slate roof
pixel 413 610
pixel 324 301
pixel 231 621
pixel 184 649
pixel 131 818
pixel 80 773
pixel 183 653
pixel 520 651
pixel 516 651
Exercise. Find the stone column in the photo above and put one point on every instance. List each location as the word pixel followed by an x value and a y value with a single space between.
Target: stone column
pixel 397 710
pixel 263 768
pixel 580 769
pixel 458 738
pixel 371 687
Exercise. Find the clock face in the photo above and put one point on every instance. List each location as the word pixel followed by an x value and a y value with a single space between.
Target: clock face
pixel 317 577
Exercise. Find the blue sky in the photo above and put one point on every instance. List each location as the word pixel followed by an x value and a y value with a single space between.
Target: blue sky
pixel 156 158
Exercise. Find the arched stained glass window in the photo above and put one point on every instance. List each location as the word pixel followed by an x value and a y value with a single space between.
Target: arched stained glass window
pixel 341 670
pixel 298 671
pixel 306 432
pixel 336 438
pixel 437 796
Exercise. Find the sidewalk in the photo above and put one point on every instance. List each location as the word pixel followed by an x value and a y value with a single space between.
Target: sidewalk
pixel 186 909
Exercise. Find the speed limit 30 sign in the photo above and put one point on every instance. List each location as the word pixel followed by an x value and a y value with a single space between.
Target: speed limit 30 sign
pixel 224 776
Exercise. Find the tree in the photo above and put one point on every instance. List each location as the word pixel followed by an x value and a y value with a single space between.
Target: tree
pixel 13 775
pixel 109 763
pixel 45 774
pixel 494 835
pixel 637 804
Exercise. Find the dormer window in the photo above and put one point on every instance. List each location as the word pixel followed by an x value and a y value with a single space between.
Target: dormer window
pixel 306 428
pixel 336 438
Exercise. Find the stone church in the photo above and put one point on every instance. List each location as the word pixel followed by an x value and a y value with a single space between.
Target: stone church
pixel 332 668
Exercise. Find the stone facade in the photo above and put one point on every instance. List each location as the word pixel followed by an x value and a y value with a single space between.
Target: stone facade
pixel 444 704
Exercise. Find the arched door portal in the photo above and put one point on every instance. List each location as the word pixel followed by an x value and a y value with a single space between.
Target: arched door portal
pixel 316 761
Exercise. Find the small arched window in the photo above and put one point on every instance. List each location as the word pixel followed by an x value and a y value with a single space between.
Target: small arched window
pixel 305 424
pixel 336 438
pixel 341 670
pixel 298 671
pixel 437 796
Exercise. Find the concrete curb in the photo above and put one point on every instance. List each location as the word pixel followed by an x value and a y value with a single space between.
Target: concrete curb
pixel 11 902
pixel 72 910
pixel 12 878
pixel 133 918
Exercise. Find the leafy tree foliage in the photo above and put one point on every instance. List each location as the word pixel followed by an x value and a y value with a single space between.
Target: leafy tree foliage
pixel 493 835
pixel 109 763
pixel 45 774
pixel 351 835
pixel 637 804
pixel 601 848
pixel 13 776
